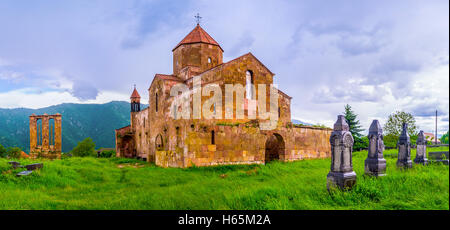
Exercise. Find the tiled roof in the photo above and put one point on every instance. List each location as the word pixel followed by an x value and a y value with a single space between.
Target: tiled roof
pixel 198 35
pixel 168 77
pixel 135 94
pixel 226 63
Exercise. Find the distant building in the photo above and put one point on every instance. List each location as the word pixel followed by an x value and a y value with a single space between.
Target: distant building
pixel 154 135
pixel 430 137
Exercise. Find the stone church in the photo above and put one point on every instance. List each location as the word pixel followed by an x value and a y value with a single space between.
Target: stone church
pixel 156 136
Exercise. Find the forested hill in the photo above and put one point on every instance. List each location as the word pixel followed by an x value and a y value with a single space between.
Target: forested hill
pixel 79 121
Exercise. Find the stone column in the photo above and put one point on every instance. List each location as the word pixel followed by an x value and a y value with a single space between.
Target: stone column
pixel 375 164
pixel 404 149
pixel 33 133
pixel 58 136
pixel 45 143
pixel 341 174
pixel 421 150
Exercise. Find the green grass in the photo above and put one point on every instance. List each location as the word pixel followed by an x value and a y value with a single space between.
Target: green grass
pixel 91 183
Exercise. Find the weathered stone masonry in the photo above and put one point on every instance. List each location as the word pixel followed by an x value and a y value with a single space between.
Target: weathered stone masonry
pixel 45 136
pixel 156 137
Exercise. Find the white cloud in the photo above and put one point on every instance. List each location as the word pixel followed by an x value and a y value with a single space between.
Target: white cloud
pixel 35 98
pixel 377 56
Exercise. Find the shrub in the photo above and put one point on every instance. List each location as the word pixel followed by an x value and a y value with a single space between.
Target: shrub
pixel 413 139
pixel 14 152
pixel 84 148
pixel 2 151
pixel 360 143
pixel 444 138
pixel 321 126
pixel 108 153
pixel 390 141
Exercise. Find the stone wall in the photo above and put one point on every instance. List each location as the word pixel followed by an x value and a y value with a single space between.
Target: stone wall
pixel 140 132
pixel 196 55
pixel 124 142
pixel 242 143
pixel 50 136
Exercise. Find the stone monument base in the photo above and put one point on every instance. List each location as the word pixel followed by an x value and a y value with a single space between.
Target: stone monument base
pixel 422 161
pixel 375 167
pixel 48 155
pixel 404 164
pixel 341 180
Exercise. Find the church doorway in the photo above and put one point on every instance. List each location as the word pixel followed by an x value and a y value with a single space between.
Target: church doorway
pixel 127 147
pixel 274 147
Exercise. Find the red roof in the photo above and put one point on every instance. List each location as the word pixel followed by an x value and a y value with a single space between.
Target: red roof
pixel 168 77
pixel 198 35
pixel 135 94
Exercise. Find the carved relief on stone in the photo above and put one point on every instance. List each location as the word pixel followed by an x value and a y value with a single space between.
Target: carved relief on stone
pixel 421 150
pixel 341 174
pixel 375 164
pixel 404 149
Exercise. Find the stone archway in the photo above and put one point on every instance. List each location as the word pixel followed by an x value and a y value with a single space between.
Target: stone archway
pixel 127 147
pixel 274 147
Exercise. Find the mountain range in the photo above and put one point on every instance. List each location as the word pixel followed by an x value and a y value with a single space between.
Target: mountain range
pixel 79 121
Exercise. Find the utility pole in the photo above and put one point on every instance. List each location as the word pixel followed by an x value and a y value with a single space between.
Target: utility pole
pixel 435 137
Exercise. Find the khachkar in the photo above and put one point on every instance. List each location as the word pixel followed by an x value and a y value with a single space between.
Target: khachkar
pixel 45 136
pixel 421 151
pixel 341 174
pixel 404 149
pixel 375 164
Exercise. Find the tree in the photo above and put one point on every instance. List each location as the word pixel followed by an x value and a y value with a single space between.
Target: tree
pixel 395 121
pixel 353 123
pixel 84 148
pixel 14 152
pixel 444 138
pixel 3 152
pixel 355 128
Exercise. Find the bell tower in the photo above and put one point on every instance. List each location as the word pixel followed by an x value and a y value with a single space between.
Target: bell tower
pixel 196 53
pixel 135 101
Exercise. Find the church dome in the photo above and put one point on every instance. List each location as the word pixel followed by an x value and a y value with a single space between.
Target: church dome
pixel 198 35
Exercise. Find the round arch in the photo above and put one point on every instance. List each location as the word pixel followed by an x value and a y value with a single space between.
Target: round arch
pixel 274 147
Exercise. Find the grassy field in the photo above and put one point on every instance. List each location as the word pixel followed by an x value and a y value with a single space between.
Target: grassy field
pixel 90 183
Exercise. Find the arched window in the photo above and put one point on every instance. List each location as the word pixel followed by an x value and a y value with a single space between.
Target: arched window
pixel 177 132
pixel 213 141
pixel 39 132
pixel 156 102
pixel 209 60
pixel 51 131
pixel 175 108
pixel 159 143
pixel 249 81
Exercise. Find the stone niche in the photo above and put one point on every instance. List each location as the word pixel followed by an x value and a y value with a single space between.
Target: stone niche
pixel 45 136
pixel 341 174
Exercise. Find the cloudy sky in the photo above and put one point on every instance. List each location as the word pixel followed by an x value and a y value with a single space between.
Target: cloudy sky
pixel 377 56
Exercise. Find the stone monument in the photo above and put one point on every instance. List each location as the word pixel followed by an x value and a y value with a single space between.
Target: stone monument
pixel 341 174
pixel 375 164
pixel 45 136
pixel 404 149
pixel 421 150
